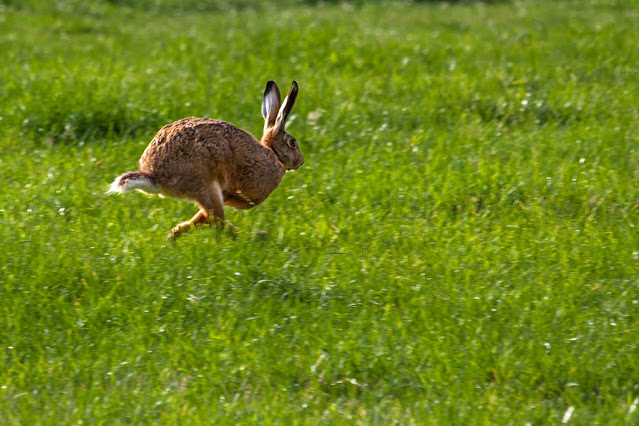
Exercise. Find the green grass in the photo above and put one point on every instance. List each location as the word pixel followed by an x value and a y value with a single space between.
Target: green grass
pixel 460 247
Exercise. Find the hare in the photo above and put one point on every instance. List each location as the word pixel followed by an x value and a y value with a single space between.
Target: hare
pixel 214 163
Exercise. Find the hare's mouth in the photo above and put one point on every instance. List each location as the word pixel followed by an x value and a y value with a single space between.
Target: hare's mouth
pixel 293 168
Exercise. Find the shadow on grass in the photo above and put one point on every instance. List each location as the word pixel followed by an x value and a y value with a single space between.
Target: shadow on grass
pixel 78 116
pixel 181 6
pixel 510 114
pixel 81 124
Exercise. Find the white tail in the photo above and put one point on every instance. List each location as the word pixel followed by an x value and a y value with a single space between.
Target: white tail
pixel 134 180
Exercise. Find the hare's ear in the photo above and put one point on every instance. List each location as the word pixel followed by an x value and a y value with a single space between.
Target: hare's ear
pixel 270 104
pixel 287 106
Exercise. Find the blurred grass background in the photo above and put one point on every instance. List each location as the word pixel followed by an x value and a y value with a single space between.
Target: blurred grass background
pixel 459 247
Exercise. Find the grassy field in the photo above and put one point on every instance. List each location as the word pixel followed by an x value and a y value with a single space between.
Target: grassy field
pixel 461 246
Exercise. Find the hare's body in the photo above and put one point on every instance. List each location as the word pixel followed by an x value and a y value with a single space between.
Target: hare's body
pixel 184 152
pixel 215 163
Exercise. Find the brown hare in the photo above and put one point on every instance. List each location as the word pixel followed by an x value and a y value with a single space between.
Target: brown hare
pixel 214 163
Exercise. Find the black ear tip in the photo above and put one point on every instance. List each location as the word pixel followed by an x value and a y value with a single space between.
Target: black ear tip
pixel 269 86
pixel 293 91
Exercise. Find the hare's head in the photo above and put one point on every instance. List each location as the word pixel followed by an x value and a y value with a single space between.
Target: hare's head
pixel 275 116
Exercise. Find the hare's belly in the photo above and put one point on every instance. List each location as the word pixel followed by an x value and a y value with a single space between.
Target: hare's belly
pixel 247 196
pixel 242 199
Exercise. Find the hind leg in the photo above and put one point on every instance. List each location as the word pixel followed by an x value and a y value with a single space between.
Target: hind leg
pixel 211 204
pixel 198 220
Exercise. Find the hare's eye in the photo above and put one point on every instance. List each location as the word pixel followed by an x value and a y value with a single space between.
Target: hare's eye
pixel 292 143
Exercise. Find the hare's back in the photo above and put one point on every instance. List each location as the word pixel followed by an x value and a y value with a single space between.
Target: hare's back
pixel 191 144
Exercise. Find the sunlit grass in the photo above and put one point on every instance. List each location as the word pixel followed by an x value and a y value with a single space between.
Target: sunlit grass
pixel 460 246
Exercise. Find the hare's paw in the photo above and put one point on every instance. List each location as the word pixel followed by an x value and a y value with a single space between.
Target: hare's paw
pixel 178 230
pixel 224 225
pixel 231 229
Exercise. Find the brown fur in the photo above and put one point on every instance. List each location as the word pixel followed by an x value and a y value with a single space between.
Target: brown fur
pixel 215 163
